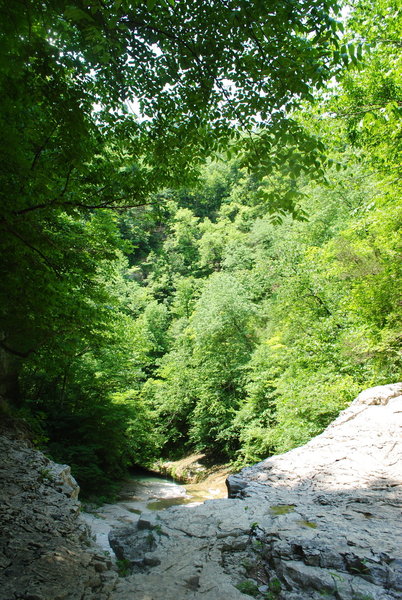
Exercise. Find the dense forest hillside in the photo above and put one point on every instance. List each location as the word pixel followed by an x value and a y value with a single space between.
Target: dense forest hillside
pixel 200 224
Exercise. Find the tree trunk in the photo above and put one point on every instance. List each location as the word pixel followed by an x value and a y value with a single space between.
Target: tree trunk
pixel 10 366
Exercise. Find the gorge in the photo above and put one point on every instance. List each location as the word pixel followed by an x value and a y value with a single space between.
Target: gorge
pixel 200 217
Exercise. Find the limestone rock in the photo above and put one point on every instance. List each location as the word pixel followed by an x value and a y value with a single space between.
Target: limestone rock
pixel 323 520
pixel 61 475
pixel 45 549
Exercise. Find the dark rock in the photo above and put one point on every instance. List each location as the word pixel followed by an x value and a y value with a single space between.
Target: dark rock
pixel 236 486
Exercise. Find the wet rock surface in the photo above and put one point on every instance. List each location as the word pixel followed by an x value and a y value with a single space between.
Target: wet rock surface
pixel 321 521
pixel 45 549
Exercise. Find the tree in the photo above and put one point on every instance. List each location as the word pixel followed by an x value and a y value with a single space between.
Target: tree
pixel 200 381
pixel 201 72
pixel 370 100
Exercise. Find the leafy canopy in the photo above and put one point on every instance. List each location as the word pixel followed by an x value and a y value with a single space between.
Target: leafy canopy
pixel 201 74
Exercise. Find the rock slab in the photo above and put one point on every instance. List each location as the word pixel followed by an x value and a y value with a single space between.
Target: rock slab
pixel 321 521
pixel 45 549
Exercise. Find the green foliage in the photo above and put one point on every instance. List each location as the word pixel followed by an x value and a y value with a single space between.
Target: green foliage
pixel 189 261
pixel 87 395
pixel 99 435
pixel 123 567
pixel 275 588
pixel 248 587
pixel 299 317
pixel 72 146
pixel 45 475
pixel 201 377
pixel 370 101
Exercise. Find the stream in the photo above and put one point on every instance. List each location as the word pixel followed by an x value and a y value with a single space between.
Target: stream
pixel 141 494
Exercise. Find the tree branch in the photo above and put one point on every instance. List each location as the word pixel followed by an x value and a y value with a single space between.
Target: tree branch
pixel 363 110
pixel 110 204
pixel 42 147
pixel 34 249
pixel 64 190
pixel 16 352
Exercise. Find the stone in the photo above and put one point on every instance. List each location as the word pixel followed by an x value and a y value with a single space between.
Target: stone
pixel 146 522
pixel 235 486
pixel 45 549
pixel 320 521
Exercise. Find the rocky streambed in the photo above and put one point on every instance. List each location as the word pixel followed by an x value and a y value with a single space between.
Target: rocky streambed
pixel 143 494
pixel 321 521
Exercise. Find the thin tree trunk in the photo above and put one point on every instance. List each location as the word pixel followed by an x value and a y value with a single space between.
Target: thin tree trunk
pixel 10 366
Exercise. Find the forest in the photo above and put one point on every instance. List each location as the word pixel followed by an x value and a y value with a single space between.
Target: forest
pixel 200 224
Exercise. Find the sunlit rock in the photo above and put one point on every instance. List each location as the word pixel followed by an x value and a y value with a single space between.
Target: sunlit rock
pixel 323 520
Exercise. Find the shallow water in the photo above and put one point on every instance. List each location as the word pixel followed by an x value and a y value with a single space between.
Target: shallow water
pixel 141 494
